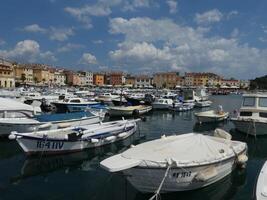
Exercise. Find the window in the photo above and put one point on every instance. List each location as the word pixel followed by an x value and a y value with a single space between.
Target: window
pixel 263 101
pixel 263 114
pixel 249 101
pixel 246 114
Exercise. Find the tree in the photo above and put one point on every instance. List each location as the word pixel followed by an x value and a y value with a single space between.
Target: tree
pixel 23 77
pixel 35 79
pixel 164 85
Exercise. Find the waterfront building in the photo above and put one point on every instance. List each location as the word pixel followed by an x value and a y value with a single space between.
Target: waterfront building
pixel 7 78
pixel 86 78
pixel 98 79
pixel 116 78
pixel 165 79
pixel 230 83
pixel 41 74
pixel 23 74
pixel 129 80
pixel 72 78
pixel 143 81
pixel 60 77
pixel 201 79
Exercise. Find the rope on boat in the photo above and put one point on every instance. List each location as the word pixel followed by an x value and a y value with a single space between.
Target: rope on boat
pixel 157 192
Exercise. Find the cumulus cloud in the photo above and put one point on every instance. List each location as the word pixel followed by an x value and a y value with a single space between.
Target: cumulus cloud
pixel 88 58
pixel 235 33
pixel 209 17
pixel 69 47
pixel 27 51
pixel 145 45
pixel 34 28
pixel 84 13
pixel 60 34
pixel 173 6
pixel 54 33
pixel 134 4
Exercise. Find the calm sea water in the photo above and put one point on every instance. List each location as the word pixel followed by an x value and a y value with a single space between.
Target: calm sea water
pixel 78 176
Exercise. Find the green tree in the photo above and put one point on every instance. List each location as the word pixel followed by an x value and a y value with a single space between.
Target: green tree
pixel 23 77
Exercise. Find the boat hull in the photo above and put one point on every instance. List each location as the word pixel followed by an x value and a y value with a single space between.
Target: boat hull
pixel 33 146
pixel 147 180
pixel 118 112
pixel 159 106
pixel 204 119
pixel 7 128
pixel 249 127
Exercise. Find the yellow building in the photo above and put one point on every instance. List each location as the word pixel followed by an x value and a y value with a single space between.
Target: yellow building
pixel 7 79
pixel 165 79
pixel 41 75
pixel 23 74
pixel 98 79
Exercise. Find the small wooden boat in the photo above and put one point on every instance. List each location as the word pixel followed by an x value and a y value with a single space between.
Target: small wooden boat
pixel 212 116
pixel 74 139
pixel 261 187
pixel 128 110
pixel 179 162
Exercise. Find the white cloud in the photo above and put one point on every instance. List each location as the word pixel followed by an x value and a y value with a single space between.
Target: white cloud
pixel 98 41
pixel 2 42
pixel 152 45
pixel 27 51
pixel 209 17
pixel 88 58
pixel 173 6
pixel 232 13
pixel 134 4
pixel 34 28
pixel 69 47
pixel 235 33
pixel 84 13
pixel 60 34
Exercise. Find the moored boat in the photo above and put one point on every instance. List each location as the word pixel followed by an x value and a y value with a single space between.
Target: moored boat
pixel 261 186
pixel 212 116
pixel 74 139
pixel 252 116
pixel 179 162
pixel 128 110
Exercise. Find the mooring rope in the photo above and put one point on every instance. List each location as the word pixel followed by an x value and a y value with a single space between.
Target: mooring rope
pixel 157 192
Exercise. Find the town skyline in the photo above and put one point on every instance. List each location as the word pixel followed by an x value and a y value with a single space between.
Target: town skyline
pixel 138 36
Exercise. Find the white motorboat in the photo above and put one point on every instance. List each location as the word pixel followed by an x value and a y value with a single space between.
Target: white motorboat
pixel 181 107
pixel 179 162
pixel 162 103
pixel 252 116
pixel 128 110
pixel 74 138
pixel 73 105
pixel 202 104
pixel 47 122
pixel 212 116
pixel 261 186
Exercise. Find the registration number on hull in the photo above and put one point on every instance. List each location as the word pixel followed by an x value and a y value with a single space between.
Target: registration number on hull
pixel 49 144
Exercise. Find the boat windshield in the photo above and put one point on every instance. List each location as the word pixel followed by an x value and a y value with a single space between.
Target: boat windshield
pixel 249 101
pixel 263 101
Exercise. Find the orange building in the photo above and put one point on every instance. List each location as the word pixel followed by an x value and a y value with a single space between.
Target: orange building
pixel 98 79
pixel 165 79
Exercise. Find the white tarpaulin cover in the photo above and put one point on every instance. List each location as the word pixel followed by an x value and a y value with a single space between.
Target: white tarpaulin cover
pixel 183 150
pixel 13 105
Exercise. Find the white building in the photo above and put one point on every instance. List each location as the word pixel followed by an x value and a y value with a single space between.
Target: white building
pixel 143 81
pixel 86 78
pixel 60 78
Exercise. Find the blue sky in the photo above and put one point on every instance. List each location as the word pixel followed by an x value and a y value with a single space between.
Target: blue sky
pixel 138 36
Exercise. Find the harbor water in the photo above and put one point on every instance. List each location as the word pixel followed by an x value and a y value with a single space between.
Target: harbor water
pixel 79 176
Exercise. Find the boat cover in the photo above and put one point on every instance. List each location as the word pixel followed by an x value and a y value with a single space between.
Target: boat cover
pixel 7 104
pixel 190 149
pixel 261 189
pixel 62 116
